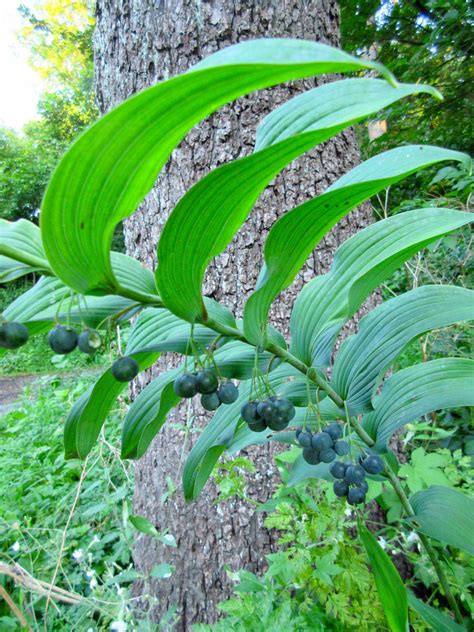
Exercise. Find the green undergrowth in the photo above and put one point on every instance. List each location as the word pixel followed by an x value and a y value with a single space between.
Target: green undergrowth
pixel 91 556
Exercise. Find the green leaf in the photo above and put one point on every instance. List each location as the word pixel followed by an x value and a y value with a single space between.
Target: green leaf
pixel 108 171
pixel 438 620
pixel 162 571
pixel 21 241
pixel 144 526
pixel 424 469
pixel 10 269
pixel 418 390
pixel 135 278
pixel 369 257
pixel 385 331
pixel 446 515
pixel 392 592
pixel 206 219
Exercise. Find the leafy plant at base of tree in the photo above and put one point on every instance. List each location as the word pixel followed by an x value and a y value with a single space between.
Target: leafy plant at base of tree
pixel 106 174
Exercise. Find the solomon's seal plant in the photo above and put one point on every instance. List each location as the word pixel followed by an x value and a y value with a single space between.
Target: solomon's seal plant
pixel 336 406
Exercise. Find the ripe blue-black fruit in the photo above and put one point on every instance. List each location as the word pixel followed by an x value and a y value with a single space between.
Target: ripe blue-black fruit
pixel 62 339
pixel 285 409
pixel 249 413
pixel 334 431
pixel 89 341
pixel 258 425
pixel 338 469
pixel 373 464
pixel 321 441
pixel 304 439
pixel 277 422
pixel 206 381
pixel 266 410
pixel 364 486
pixel 125 369
pixel 340 488
pixel 356 496
pixel 210 401
pixel 185 385
pixel 355 474
pixel 327 456
pixel 311 456
pixel 341 448
pixel 13 335
pixel 228 393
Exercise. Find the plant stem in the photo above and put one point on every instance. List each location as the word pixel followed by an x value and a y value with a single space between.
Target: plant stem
pixel 337 399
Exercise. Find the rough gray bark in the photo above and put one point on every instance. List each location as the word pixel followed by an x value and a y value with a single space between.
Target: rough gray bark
pixel 138 43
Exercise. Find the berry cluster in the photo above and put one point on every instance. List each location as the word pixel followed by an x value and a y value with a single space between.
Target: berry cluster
pixel 13 335
pixel 350 478
pixel 206 383
pixel 273 413
pixel 322 447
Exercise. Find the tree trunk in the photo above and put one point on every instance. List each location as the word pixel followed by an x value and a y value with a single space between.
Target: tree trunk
pixel 138 43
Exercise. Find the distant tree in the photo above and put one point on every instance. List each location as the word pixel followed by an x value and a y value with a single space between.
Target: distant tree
pixel 431 41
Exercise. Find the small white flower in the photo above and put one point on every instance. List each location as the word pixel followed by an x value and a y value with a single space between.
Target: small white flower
pixel 77 555
pixel 382 542
pixel 16 547
pixel 348 512
pixel 90 573
pixel 95 539
pixel 394 551
pixel 90 630
pixel 412 538
pixel 118 626
pixel 93 584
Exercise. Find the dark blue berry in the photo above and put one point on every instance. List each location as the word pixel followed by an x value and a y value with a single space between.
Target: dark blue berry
pixel 373 464
pixel 210 401
pixel 334 431
pixel 355 474
pixel 62 339
pixel 228 393
pixel 341 448
pixel 311 456
pixel 340 488
pixel 338 469
pixel 285 408
pixel 185 385
pixel 327 456
pixel 125 369
pixel 266 410
pixel 249 413
pixel 304 439
pixel 356 496
pixel 258 425
pixel 206 381
pixel 321 441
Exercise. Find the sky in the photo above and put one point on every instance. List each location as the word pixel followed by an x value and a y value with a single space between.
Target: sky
pixel 21 86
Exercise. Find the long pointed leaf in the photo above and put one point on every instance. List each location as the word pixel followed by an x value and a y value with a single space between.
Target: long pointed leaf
pixel 385 331
pixel 108 171
pixel 446 515
pixel 362 263
pixel 208 216
pixel 417 390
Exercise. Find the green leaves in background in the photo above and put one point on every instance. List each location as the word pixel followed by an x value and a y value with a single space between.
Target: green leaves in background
pixel 365 260
pixel 417 390
pixel 390 588
pixel 439 621
pixel 384 332
pixel 206 219
pixel 108 171
pixel 446 515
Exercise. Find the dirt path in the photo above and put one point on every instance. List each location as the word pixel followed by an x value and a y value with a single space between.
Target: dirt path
pixel 11 386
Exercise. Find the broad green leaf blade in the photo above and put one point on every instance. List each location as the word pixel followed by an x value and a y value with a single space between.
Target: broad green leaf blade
pixel 147 414
pixel 439 621
pixel 445 514
pixel 390 588
pixel 418 390
pixel 218 434
pixel 294 236
pixel 132 276
pixel 206 219
pixel 10 269
pixel 144 526
pixel 362 263
pixel 21 240
pixel 384 332
pixel 108 171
